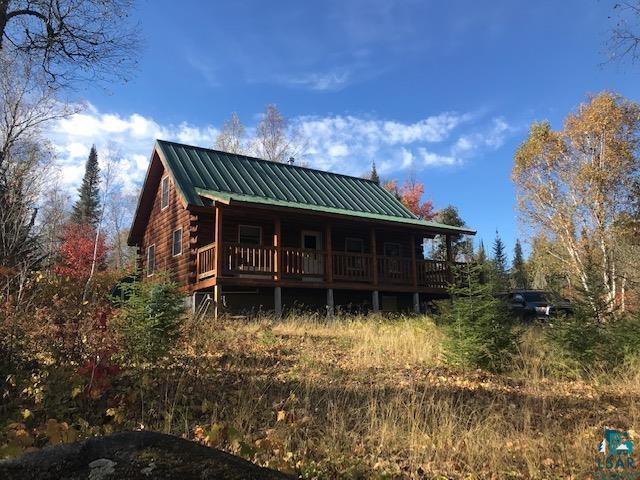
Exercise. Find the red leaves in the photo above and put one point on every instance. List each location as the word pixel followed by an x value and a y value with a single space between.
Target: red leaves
pixel 76 251
pixel 410 194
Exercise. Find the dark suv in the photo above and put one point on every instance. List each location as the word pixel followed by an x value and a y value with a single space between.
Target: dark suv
pixel 534 304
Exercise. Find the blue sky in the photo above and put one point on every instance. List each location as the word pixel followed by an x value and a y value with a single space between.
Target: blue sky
pixel 441 90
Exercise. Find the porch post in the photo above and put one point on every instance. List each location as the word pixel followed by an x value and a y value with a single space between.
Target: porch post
pixel 277 301
pixel 414 270
pixel 218 252
pixel 217 288
pixel 416 303
pixel 277 242
pixel 375 300
pixel 328 263
pixel 449 258
pixel 330 309
pixel 217 300
pixel 374 256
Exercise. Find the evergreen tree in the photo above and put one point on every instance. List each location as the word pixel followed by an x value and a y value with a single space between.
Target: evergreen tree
pixel 481 254
pixel 518 268
pixel 374 173
pixel 479 331
pixel 499 275
pixel 87 209
pixel 460 244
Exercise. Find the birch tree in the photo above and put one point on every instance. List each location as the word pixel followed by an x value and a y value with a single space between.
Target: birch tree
pixel 26 106
pixel 276 140
pixel 574 184
pixel 232 136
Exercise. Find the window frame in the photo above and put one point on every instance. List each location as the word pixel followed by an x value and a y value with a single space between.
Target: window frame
pixel 151 272
pixel 259 227
pixel 163 182
pixel 173 242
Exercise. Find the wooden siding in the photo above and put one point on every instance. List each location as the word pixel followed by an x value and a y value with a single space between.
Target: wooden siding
pixel 159 231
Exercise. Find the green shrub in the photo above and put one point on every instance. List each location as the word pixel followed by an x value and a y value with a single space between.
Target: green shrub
pixel 149 319
pixel 596 335
pixel 589 343
pixel 479 331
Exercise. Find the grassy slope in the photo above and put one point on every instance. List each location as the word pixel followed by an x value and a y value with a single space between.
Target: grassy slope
pixel 368 398
pixel 351 398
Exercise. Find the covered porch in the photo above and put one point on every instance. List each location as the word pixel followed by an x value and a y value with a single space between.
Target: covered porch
pixel 255 246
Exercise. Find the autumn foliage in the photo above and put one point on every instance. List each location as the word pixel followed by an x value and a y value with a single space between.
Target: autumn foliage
pixel 410 194
pixel 76 251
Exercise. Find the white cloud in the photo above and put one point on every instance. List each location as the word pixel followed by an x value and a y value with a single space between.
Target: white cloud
pixel 132 136
pixel 341 143
pixel 330 81
pixel 491 137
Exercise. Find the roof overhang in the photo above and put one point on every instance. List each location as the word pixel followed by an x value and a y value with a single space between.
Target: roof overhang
pixel 261 202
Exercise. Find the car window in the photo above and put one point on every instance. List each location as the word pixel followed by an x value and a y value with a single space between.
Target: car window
pixel 518 298
pixel 534 297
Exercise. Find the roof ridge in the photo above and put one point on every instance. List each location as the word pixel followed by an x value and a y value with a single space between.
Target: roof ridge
pixel 263 160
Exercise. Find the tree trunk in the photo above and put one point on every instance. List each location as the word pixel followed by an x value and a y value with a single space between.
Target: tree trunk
pixel 4 9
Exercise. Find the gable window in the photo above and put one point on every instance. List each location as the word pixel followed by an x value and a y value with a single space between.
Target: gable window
pixel 164 200
pixel 176 244
pixel 151 259
pixel 249 235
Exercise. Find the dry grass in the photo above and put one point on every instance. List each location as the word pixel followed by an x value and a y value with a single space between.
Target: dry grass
pixel 349 398
pixel 369 398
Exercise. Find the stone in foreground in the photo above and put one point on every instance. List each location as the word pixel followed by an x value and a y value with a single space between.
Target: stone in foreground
pixel 134 456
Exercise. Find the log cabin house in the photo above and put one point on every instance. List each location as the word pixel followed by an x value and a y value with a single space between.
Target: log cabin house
pixel 245 233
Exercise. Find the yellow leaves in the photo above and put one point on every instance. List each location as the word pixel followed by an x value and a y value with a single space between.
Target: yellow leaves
pixel 26 413
pixel 75 392
pixel 281 416
pixel 118 414
pixel 60 432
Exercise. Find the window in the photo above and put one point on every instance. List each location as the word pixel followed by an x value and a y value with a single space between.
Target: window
pixel 176 244
pixel 249 235
pixel 164 201
pixel 353 245
pixel 151 259
pixel 391 249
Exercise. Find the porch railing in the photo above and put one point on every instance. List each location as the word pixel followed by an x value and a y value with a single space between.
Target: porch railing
pixel 352 266
pixel 239 259
pixel 205 261
pixel 432 273
pixel 395 270
pixel 245 259
pixel 303 262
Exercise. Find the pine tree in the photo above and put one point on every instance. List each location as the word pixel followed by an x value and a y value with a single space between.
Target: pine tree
pixel 479 331
pixel 481 254
pixel 374 173
pixel 518 268
pixel 499 276
pixel 87 209
pixel 460 244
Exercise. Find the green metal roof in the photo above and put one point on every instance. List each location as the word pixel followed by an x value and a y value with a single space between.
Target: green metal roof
pixel 201 172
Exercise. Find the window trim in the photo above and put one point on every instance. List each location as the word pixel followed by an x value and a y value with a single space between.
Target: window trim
pixel 162 184
pixel 173 242
pixel 259 227
pixel 346 241
pixel 153 245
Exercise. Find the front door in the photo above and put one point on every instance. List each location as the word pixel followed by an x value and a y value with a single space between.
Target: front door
pixel 312 259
